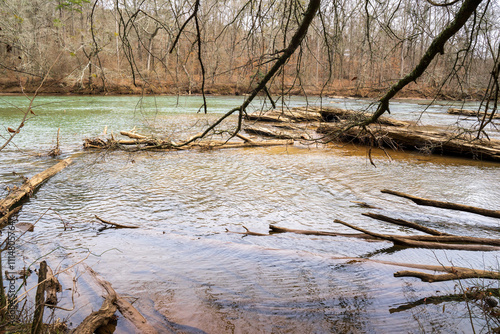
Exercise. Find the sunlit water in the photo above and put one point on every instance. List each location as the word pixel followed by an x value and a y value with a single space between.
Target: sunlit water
pixel 188 273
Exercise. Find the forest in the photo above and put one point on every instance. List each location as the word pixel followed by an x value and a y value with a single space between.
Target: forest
pixel 353 48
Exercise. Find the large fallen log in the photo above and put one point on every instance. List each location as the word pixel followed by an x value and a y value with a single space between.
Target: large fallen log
pixel 29 186
pixel 409 242
pixel 444 205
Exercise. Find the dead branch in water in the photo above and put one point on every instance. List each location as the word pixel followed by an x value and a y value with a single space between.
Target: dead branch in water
pixel 277 229
pixel 115 224
pixel 248 232
pixel 408 242
pixel 445 205
pixel 405 223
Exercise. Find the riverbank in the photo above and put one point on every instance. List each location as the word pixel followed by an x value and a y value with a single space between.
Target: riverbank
pixel 346 89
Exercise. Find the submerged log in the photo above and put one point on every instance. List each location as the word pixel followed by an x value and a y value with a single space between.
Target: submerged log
pixel 409 242
pixel 30 185
pixel 473 113
pixel 277 229
pixel 405 223
pixel 444 205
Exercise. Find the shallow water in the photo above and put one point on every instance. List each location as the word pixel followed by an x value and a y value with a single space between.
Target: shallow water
pixel 189 273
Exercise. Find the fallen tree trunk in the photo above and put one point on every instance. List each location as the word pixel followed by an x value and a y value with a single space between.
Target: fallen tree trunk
pixel 405 223
pixel 403 241
pixel 445 205
pixel 128 311
pixel 30 185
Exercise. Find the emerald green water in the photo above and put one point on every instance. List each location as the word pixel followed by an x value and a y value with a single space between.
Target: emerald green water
pixel 187 272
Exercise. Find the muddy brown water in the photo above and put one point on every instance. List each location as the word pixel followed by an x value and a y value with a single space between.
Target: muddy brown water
pixel 182 267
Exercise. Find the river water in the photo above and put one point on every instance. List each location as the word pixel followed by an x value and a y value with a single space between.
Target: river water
pixel 187 273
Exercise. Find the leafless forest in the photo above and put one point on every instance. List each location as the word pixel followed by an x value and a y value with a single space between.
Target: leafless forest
pixel 356 48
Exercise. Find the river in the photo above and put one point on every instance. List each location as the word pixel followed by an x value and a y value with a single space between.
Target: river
pixel 184 269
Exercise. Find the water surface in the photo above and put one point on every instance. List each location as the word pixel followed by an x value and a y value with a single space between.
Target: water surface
pixel 188 272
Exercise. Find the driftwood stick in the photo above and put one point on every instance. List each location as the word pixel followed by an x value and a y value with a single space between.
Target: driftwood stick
pixel 126 309
pixel 405 223
pixel 277 229
pixel 364 205
pixel 400 240
pixel 29 186
pixel 37 324
pixel 245 138
pixel 115 224
pixel 445 205
pixel 132 135
pixel 5 219
pixel 248 232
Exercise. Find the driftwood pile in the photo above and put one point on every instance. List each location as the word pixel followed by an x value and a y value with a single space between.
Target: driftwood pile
pixel 334 124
